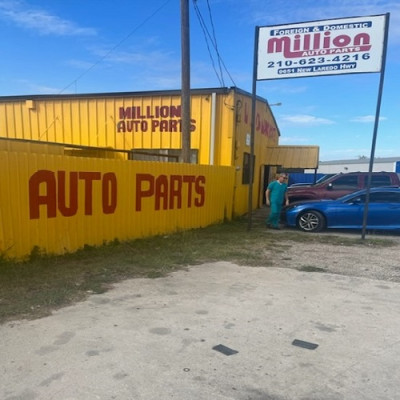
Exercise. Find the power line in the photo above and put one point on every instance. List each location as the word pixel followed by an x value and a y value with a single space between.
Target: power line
pixel 213 41
pixel 205 32
pixel 115 47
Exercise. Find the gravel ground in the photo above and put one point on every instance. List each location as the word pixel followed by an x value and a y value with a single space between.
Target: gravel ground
pixel 375 261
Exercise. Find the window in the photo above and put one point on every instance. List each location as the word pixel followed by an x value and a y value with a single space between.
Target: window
pixel 378 197
pixel 379 180
pixel 384 197
pixel 346 182
pixel 246 168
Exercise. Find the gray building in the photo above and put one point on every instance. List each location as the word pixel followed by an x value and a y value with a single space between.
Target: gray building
pixel 389 164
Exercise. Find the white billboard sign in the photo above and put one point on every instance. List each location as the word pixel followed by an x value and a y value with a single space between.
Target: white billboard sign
pixel 328 47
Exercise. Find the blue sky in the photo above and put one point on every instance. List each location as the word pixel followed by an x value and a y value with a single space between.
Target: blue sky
pixel 87 46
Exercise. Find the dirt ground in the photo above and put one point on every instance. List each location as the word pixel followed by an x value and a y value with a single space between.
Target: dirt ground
pixel 372 262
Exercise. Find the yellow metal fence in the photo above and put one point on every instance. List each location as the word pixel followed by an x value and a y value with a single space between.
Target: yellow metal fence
pixel 60 203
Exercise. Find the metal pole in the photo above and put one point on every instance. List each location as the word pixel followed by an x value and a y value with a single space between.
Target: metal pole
pixel 378 108
pixel 185 94
pixel 252 132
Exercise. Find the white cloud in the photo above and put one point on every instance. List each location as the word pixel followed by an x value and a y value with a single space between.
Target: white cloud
pixel 40 20
pixel 284 12
pixel 304 120
pixel 367 119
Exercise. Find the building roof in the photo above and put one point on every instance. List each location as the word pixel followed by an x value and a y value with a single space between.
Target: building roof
pixel 361 161
pixel 293 156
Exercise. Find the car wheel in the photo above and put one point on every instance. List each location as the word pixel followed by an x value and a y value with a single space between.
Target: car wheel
pixel 311 221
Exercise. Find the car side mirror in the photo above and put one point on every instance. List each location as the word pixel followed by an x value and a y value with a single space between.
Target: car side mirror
pixel 357 201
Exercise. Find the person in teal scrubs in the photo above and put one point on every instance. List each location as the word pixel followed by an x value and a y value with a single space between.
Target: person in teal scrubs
pixel 276 195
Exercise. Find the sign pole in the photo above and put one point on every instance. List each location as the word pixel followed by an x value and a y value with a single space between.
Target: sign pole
pixel 252 130
pixel 185 78
pixel 375 134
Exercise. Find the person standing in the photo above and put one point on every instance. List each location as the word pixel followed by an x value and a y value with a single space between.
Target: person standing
pixel 276 195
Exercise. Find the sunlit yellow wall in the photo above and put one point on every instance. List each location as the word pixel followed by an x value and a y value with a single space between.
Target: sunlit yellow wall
pixel 125 123
pixel 114 199
pixel 224 129
pixel 266 134
pixel 150 121
pixel 29 147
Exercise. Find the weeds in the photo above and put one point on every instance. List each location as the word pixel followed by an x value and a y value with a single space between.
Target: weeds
pixel 44 283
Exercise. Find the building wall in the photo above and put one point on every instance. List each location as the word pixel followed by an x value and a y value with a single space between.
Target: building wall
pixel 150 121
pixel 344 166
pixel 120 122
pixel 266 134
pixel 60 203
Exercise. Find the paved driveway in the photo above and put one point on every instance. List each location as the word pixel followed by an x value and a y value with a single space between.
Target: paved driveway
pixel 154 338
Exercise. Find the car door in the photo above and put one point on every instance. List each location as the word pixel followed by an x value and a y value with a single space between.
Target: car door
pixel 384 210
pixel 346 214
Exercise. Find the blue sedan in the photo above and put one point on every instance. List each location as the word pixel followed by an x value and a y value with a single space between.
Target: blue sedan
pixel 348 212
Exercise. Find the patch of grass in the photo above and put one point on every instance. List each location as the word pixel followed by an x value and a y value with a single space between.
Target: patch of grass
pixel 44 283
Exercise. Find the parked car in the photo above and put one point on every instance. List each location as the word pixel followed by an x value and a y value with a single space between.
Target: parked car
pixel 320 180
pixel 342 184
pixel 348 212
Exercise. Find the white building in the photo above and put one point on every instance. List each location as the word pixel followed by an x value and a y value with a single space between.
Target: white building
pixel 389 164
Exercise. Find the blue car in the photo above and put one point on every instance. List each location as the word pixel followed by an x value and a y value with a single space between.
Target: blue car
pixel 347 212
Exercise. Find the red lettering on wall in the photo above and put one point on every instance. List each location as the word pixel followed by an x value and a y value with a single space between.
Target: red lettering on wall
pixel 168 192
pixel 261 125
pixel 49 189
pixel 46 180
pixel 144 188
pixel 89 177
pixel 189 179
pixel 73 193
pixel 109 193
pixel 161 192
pixel 200 190
pixel 175 192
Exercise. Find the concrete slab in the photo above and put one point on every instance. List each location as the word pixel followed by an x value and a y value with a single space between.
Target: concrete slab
pixel 154 339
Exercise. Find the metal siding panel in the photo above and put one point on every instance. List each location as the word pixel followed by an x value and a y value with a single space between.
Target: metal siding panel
pixel 19 233
pixel 202 135
pixel 75 123
pixel 10 120
pixel 293 156
pixel 3 120
pixel 92 121
pixel 66 134
pixel 110 125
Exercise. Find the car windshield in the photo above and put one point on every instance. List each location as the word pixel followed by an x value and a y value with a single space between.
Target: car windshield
pixel 324 178
pixel 319 181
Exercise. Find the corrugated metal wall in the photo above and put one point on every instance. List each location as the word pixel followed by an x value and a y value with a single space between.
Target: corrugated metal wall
pixel 120 122
pixel 61 203
pixel 293 156
pixel 266 134
pixel 149 122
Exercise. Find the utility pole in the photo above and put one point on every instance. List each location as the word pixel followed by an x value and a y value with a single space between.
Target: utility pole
pixel 185 93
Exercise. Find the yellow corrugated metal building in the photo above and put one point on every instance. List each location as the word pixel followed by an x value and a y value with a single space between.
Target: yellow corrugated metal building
pixel 147 126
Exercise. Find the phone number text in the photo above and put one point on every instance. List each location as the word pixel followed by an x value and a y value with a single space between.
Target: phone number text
pixel 318 60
